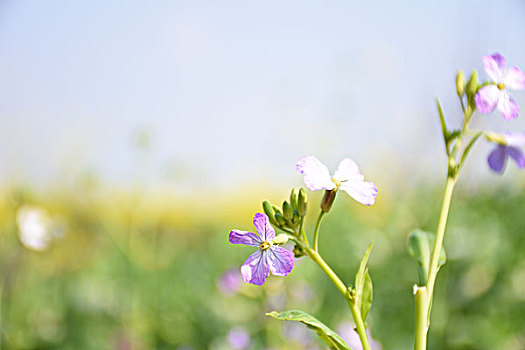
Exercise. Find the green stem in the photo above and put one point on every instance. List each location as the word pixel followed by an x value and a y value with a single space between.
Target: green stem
pixel 440 234
pixel 316 232
pixel 423 295
pixel 360 325
pixel 420 295
pixel 341 287
pixel 303 233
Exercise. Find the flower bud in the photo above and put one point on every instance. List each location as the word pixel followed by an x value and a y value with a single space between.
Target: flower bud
pixel 296 220
pixel 280 219
pixel 328 200
pixel 287 211
pixel 268 210
pixel 298 252
pixel 302 202
pixel 460 83
pixel 280 239
pixel 293 197
pixel 472 85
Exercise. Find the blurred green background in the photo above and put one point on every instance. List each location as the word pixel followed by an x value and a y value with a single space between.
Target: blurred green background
pixel 140 271
pixel 135 135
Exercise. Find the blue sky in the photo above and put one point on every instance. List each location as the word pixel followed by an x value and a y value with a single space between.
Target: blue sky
pixel 235 92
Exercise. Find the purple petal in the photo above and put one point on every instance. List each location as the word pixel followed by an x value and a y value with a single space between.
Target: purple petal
pixel 495 66
pixel 363 192
pixel 348 170
pixel 508 106
pixel 255 269
pixel 238 338
pixel 281 261
pixel 517 155
pixel 229 282
pixel 263 227
pixel 316 174
pixel 487 98
pixel 244 237
pixel 516 139
pixel 515 79
pixel 497 159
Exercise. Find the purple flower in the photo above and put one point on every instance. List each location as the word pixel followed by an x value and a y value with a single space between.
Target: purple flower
pixel 347 178
pixel 490 96
pixel 238 338
pixel 230 282
pixel 267 258
pixel 507 146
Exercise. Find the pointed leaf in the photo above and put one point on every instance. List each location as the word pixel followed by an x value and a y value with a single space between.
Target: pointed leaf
pixel 420 246
pixel 331 338
pixel 442 121
pixel 469 147
pixel 360 275
pixel 367 296
pixel 363 285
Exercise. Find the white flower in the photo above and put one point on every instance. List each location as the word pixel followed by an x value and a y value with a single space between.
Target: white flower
pixel 347 177
pixel 34 228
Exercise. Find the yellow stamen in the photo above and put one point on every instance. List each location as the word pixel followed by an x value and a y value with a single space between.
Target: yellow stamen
pixel 265 245
pixel 337 183
pixel 501 86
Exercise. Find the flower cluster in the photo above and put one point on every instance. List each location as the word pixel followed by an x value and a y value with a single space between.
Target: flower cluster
pixel 494 94
pixel 270 257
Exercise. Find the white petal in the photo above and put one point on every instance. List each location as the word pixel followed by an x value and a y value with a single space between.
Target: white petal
pixel 515 79
pixel 348 170
pixel 495 66
pixel 316 174
pixel 363 192
pixel 516 139
pixel 508 106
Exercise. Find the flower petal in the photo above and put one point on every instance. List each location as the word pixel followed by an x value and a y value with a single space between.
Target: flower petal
pixel 280 260
pixel 255 269
pixel 244 237
pixel 508 106
pixel 487 98
pixel 518 156
pixel 263 227
pixel 516 139
pixel 348 170
pixel 515 79
pixel 495 66
pixel 363 192
pixel 316 174
pixel 497 159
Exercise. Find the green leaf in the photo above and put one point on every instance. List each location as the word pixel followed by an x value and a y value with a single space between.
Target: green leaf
pixel 367 296
pixel 420 246
pixel 331 338
pixel 469 147
pixel 363 285
pixel 442 121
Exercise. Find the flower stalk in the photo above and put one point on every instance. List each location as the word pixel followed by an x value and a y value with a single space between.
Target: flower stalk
pixel 341 287
pixel 316 232
pixel 423 295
